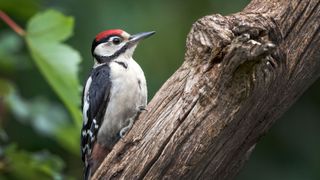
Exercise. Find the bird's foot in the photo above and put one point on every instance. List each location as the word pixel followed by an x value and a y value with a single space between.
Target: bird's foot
pixel 142 108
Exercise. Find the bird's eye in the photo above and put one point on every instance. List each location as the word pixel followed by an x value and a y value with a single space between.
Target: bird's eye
pixel 116 40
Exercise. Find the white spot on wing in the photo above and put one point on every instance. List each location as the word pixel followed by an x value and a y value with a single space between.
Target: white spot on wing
pixel 89 132
pixel 96 126
pixel 84 133
pixel 93 138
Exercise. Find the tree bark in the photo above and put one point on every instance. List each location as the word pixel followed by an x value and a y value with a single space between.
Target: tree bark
pixel 241 72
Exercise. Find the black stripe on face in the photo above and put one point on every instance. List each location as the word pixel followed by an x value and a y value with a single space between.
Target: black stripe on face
pixel 122 64
pixel 103 59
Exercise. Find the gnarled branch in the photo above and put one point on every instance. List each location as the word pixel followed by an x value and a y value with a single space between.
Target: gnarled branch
pixel 241 72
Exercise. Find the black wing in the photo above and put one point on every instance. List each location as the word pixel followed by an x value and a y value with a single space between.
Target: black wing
pixel 98 97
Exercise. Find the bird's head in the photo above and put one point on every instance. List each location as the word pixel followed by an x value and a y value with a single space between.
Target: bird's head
pixel 111 44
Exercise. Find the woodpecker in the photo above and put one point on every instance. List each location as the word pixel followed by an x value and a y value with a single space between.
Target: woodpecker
pixel 113 96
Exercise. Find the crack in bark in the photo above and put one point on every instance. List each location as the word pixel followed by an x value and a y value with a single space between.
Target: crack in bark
pixel 297 19
pixel 310 14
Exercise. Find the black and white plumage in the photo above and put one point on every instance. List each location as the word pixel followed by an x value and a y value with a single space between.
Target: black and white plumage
pixel 113 96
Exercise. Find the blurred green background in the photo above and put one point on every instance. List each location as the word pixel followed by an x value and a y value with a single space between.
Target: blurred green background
pixel 39 137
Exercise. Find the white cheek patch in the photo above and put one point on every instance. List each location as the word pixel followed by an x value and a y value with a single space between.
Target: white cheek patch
pixel 107 49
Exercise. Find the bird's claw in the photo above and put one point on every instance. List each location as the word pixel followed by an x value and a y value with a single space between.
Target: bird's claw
pixel 142 108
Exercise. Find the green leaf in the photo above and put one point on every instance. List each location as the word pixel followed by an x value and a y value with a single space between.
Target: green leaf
pixel 51 26
pixel 47 118
pixel 56 61
pixel 25 165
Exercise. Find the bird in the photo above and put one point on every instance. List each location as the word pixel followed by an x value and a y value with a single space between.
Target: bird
pixel 114 94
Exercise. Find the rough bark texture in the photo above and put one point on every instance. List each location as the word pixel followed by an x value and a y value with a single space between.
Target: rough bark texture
pixel 241 72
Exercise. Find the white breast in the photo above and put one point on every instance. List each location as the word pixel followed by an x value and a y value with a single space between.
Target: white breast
pixel 128 93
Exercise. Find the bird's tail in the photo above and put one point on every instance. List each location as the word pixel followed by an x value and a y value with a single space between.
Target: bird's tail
pixel 87 172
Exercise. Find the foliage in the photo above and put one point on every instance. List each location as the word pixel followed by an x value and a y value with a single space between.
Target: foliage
pixel 58 63
pixel 25 165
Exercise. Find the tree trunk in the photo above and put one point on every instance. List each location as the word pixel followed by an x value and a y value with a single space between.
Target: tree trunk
pixel 241 72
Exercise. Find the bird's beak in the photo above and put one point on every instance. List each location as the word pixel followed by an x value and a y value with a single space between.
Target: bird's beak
pixel 137 37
